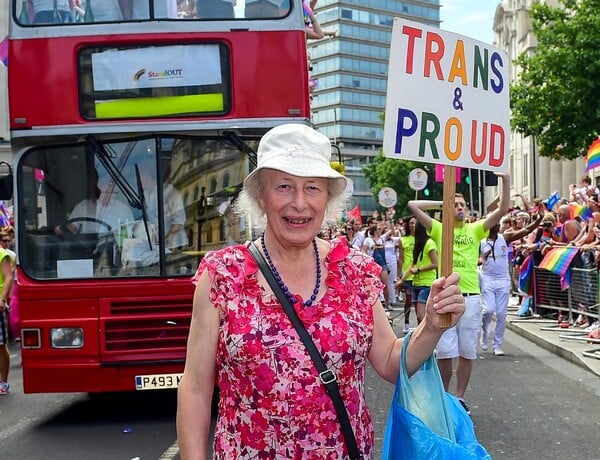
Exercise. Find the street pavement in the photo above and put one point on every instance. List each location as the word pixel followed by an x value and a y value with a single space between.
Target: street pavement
pixel 569 343
pixel 538 401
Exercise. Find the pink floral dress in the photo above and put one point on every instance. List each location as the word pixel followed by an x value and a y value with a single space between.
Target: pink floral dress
pixel 272 403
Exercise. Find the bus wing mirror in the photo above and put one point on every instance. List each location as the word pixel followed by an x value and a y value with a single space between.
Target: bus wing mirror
pixel 6 183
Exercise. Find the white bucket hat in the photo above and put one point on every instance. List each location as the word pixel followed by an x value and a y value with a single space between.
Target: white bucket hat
pixel 300 151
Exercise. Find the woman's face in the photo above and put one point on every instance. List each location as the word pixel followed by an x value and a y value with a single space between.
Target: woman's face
pixel 412 225
pixel 294 206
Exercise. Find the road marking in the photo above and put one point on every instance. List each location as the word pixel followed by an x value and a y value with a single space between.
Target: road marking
pixel 171 452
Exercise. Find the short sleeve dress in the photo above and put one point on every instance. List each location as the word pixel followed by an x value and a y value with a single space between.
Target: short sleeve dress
pixel 272 404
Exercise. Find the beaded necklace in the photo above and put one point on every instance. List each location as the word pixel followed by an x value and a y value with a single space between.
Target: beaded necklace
pixel 284 288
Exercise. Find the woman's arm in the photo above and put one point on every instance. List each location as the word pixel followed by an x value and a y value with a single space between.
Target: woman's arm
pixel 585 234
pixel 366 247
pixel 513 236
pixel 194 396
pixel 384 356
pixel 313 31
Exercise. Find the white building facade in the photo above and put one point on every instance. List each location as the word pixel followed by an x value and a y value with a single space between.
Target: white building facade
pixel 531 175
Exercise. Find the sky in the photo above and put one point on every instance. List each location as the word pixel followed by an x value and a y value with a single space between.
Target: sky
pixel 473 18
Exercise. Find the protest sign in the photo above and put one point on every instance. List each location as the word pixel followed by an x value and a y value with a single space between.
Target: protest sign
pixel 447 99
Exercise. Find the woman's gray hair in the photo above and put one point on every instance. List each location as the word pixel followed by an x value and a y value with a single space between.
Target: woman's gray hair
pixel 247 204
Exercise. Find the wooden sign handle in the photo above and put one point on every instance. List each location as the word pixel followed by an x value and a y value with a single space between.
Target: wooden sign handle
pixel 448 231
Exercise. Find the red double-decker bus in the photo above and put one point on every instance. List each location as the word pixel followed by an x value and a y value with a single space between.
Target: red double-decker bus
pixel 133 124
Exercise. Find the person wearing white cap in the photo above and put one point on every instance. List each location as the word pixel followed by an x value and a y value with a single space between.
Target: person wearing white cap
pixel 273 402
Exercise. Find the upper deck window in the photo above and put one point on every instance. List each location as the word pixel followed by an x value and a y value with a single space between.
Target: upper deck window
pixel 150 81
pixel 60 12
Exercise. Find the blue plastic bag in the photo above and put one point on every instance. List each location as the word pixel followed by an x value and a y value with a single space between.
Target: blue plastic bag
pixel 425 422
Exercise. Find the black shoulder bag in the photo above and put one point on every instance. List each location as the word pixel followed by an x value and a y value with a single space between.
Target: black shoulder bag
pixel 327 376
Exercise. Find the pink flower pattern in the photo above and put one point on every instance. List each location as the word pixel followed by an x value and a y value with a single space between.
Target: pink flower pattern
pixel 272 403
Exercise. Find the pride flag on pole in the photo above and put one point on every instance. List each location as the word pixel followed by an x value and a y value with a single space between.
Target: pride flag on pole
pixel 4 51
pixel 592 158
pixel 558 261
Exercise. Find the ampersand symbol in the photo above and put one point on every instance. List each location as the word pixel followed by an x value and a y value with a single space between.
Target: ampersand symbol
pixel 456 103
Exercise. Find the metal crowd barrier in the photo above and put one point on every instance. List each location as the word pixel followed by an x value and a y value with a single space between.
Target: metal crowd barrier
pixel 582 297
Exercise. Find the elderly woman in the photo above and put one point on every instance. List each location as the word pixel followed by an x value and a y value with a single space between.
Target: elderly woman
pixel 272 402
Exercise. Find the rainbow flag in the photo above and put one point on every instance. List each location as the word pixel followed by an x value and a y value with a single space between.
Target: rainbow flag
pixel 558 261
pixel 4 215
pixel 578 210
pixel 592 158
pixel 4 51
pixel 306 10
pixel 526 276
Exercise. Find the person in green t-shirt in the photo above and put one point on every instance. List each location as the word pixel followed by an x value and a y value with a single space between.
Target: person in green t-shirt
pixel 424 268
pixel 461 341
pixel 6 279
pixel 404 284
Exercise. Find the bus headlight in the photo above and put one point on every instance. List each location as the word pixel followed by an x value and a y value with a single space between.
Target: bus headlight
pixel 66 337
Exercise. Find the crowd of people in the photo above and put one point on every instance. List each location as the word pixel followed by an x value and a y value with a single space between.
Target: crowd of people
pixel 488 253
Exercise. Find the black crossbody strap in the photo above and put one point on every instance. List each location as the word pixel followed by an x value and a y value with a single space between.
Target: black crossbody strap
pixel 327 376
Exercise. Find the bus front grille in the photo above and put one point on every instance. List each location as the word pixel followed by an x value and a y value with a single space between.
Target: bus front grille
pixel 147 326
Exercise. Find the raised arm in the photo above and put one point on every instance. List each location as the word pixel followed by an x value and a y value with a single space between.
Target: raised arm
pixel 494 217
pixel 515 235
pixel 418 208
pixel 525 201
pixel 313 31
pixel 384 356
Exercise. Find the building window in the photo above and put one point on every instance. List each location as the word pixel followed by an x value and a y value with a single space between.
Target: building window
pixel 209 234
pixel 222 230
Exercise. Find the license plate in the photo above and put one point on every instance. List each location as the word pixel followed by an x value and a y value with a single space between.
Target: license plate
pixel 157 381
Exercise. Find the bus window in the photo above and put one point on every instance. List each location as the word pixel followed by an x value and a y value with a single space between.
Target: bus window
pixel 58 12
pixel 124 215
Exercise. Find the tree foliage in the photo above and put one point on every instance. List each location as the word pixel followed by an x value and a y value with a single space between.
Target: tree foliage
pixel 389 172
pixel 557 95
